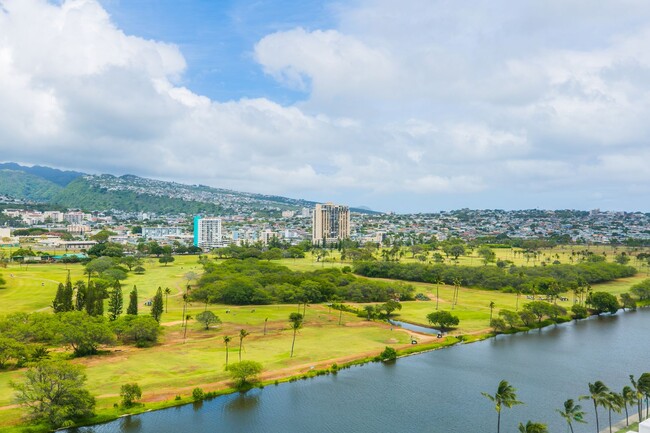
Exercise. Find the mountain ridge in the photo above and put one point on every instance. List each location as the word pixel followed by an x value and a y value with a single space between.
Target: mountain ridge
pixel 132 193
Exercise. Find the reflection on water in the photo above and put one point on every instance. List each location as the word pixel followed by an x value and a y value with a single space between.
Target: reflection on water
pixel 243 402
pixel 131 424
pixel 435 392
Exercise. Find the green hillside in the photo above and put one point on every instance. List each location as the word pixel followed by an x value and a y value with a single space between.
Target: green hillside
pixel 24 186
pixel 83 194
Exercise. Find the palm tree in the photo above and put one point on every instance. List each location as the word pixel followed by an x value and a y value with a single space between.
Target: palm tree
pixel 242 334
pixel 492 304
pixel 572 412
pixel 505 396
pixel 533 427
pixel 629 396
pixel 226 340
pixel 613 402
pixel 638 393
pixel 438 281
pixel 296 322
pixel 644 387
pixel 456 287
pixel 598 392
pixel 167 292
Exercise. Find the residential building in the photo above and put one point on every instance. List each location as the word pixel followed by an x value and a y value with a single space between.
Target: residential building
pixel 207 233
pixel 331 223
pixel 161 232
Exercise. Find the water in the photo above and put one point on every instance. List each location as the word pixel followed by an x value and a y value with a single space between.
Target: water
pixel 437 392
pixel 416 328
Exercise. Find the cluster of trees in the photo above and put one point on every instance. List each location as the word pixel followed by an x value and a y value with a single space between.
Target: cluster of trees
pixel 535 313
pixel 599 394
pixel 27 337
pixel 251 281
pixel 542 279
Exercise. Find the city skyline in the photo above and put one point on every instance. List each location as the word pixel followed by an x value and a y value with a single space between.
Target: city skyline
pixel 417 107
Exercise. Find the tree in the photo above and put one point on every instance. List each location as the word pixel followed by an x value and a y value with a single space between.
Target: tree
pixel 533 427
pixel 80 297
pixel 638 392
pixel 614 403
pixel 510 317
pixel 53 392
pixel 486 254
pixel 166 259
pixel 492 305
pixel 644 387
pixel 579 312
pixel 442 319
pixel 629 397
pixel 572 412
pixel 167 292
pixel 370 311
pixel 603 302
pixel 131 262
pixel 244 374
pixel 295 319
pixel 622 259
pixel 498 325
pixel 83 333
pixel 208 318
pixel 115 302
pixel 57 303
pixel 505 397
pixel 539 309
pixel 628 301
pixel 226 341
pixel 598 392
pixel 157 305
pixel 132 309
pixel 390 306
pixel 242 334
pixel 143 331
pixel 10 349
pixel 130 392
pixel 68 295
pixel 455 251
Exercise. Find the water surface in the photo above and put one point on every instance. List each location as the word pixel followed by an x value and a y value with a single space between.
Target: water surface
pixel 437 392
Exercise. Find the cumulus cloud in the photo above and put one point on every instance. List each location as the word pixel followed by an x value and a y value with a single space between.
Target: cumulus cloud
pixel 403 102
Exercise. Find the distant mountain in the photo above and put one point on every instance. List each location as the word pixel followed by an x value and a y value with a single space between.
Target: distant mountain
pixel 59 177
pixel 131 193
pixel 25 186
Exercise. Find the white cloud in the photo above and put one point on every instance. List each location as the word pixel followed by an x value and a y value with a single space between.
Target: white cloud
pixel 402 101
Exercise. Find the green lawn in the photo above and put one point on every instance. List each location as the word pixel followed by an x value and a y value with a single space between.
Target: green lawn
pixel 178 364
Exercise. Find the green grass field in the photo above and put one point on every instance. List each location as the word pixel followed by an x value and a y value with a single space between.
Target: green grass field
pixel 179 363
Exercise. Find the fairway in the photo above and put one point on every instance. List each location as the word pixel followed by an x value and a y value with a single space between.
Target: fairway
pixel 195 357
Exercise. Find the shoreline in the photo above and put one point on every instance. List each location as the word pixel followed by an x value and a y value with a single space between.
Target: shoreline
pixel 302 372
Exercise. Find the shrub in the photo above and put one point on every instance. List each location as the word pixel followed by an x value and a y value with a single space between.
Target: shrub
pixel 130 393
pixel 198 394
pixel 388 354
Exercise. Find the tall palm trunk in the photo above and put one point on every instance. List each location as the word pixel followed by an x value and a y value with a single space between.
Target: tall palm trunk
pixel 596 410
pixel 610 420
pixel 293 341
pixel 499 422
pixel 226 356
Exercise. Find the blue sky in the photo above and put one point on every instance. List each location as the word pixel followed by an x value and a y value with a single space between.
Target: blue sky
pixel 217 39
pixel 411 106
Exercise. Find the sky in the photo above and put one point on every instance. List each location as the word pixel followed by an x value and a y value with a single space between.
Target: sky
pixel 410 106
